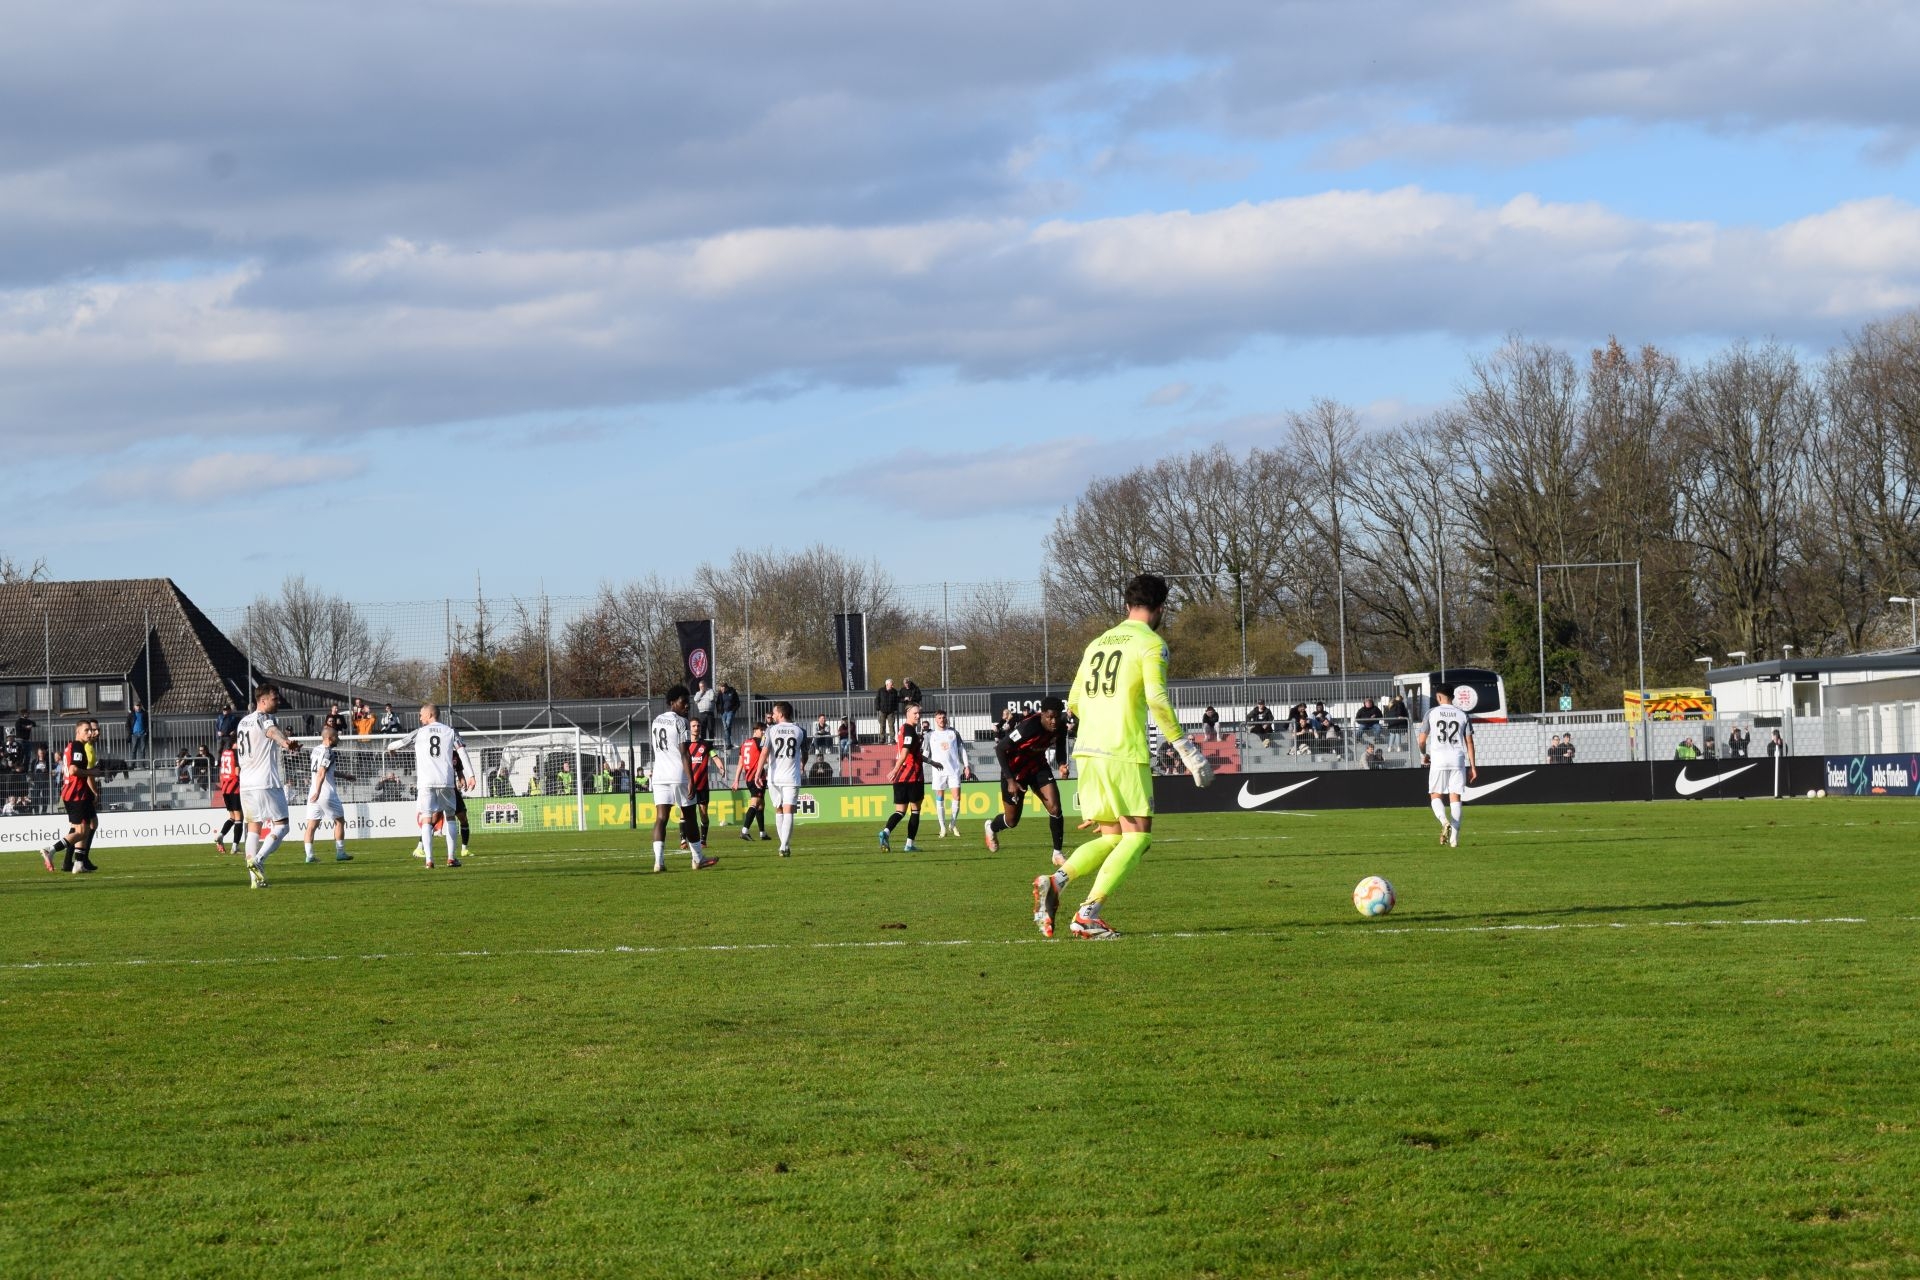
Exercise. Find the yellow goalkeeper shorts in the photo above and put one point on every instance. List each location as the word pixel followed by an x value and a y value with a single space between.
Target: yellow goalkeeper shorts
pixel 1109 790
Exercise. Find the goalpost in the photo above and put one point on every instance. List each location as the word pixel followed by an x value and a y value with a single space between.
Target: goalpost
pixel 529 780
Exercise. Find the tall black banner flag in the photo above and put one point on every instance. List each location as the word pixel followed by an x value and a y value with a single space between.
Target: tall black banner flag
pixel 696 651
pixel 850 646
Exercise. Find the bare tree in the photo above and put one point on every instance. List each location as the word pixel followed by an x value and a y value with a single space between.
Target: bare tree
pixel 15 572
pixel 304 631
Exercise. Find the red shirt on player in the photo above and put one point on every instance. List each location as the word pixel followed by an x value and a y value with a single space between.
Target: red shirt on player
pixel 699 755
pixel 750 753
pixel 912 767
pixel 229 772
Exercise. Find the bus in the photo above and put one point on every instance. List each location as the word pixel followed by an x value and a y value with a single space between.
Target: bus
pixel 1481 693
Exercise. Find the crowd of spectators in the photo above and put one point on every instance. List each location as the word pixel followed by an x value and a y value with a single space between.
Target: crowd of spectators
pixel 26 769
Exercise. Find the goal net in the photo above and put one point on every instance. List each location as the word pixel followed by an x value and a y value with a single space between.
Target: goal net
pixel 529 780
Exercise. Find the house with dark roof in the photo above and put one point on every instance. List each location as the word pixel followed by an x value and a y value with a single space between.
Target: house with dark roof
pixel 69 649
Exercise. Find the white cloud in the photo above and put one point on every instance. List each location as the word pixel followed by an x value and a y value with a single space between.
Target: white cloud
pixel 228 476
pixel 407 334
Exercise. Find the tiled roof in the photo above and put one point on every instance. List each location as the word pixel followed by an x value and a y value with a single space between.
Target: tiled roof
pixel 99 628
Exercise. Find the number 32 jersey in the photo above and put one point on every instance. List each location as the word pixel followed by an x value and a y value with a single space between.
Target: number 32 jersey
pixel 1447 729
pixel 1122 677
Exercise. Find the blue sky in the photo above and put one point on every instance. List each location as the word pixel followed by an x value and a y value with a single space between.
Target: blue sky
pixel 618 288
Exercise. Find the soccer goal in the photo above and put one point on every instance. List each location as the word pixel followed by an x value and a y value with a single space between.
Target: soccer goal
pixel 563 779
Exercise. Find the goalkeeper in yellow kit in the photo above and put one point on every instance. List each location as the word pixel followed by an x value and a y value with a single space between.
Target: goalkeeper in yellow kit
pixel 1122 677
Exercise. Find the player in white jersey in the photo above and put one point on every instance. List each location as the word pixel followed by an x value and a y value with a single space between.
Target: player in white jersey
pixel 263 790
pixel 780 771
pixel 323 798
pixel 1446 748
pixel 947 768
pixel 673 781
pixel 435 748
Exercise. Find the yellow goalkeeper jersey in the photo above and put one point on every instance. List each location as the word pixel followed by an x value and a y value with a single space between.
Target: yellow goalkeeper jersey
pixel 1121 678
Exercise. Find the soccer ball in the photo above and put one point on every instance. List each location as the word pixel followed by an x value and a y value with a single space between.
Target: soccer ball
pixel 1373 896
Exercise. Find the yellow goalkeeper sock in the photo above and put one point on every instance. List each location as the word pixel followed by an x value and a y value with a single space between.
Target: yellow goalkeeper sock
pixel 1115 869
pixel 1089 856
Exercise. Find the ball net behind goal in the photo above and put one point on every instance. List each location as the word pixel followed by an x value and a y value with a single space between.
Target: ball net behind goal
pixel 529 780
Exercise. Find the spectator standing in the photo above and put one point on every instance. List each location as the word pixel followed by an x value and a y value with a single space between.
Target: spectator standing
pixel 228 723
pixel 1776 745
pixel 1739 742
pixel 845 734
pixel 887 703
pixel 335 720
pixel 1395 722
pixel 1566 749
pixel 40 780
pixel 1210 721
pixel 362 719
pixel 389 722
pixel 1686 750
pixel 705 702
pixel 24 726
pixel 911 695
pixel 137 731
pixel 729 707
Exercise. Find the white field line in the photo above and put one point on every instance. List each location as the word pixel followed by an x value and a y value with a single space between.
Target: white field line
pixel 904 943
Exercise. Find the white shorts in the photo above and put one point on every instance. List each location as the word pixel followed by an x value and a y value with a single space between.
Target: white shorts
pixel 783 797
pixel 439 800
pixel 264 804
pixel 942 779
pixel 675 793
pixel 327 805
pixel 1446 780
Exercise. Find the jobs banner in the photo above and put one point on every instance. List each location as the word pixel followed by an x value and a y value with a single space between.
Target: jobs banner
pixel 696 651
pixel 1872 776
pixel 850 646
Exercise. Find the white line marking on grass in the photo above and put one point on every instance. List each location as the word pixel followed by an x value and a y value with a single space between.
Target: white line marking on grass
pixel 899 943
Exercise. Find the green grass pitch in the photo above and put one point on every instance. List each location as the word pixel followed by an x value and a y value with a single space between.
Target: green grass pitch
pixel 1674 1039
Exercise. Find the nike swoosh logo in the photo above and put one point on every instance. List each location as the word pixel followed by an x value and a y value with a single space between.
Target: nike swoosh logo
pixel 1693 786
pixel 1476 793
pixel 1250 800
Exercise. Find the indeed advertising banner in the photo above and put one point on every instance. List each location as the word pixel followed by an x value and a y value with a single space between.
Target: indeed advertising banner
pixel 1873 776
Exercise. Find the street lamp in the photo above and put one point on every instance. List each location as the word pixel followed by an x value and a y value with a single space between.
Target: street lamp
pixel 946 692
pixel 1786 652
pixel 1736 653
pixel 1913 617
pixel 1708 660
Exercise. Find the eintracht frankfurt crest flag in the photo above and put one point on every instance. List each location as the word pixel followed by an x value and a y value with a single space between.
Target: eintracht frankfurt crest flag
pixel 696 651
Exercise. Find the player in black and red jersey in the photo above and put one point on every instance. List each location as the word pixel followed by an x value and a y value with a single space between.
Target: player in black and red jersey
pixel 1026 751
pixel 752 752
pixel 460 799
pixel 230 797
pixel 909 777
pixel 700 766
pixel 80 791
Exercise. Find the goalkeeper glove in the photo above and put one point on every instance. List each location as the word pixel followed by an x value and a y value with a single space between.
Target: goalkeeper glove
pixel 1196 761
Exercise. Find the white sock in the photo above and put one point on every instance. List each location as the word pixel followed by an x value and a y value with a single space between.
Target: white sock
pixel 426 838
pixel 253 845
pixel 309 849
pixel 659 850
pixel 339 847
pixel 272 842
pixel 452 848
pixel 783 824
pixel 1440 810
pixel 699 851
pixel 1456 813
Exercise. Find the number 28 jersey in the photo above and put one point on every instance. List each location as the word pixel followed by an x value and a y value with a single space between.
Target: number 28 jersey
pixel 783 755
pixel 1448 731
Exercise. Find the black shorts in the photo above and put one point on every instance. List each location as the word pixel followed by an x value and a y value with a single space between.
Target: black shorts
pixel 757 790
pixel 231 799
pixel 909 792
pixel 700 795
pixel 79 811
pixel 1015 786
pixel 459 803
